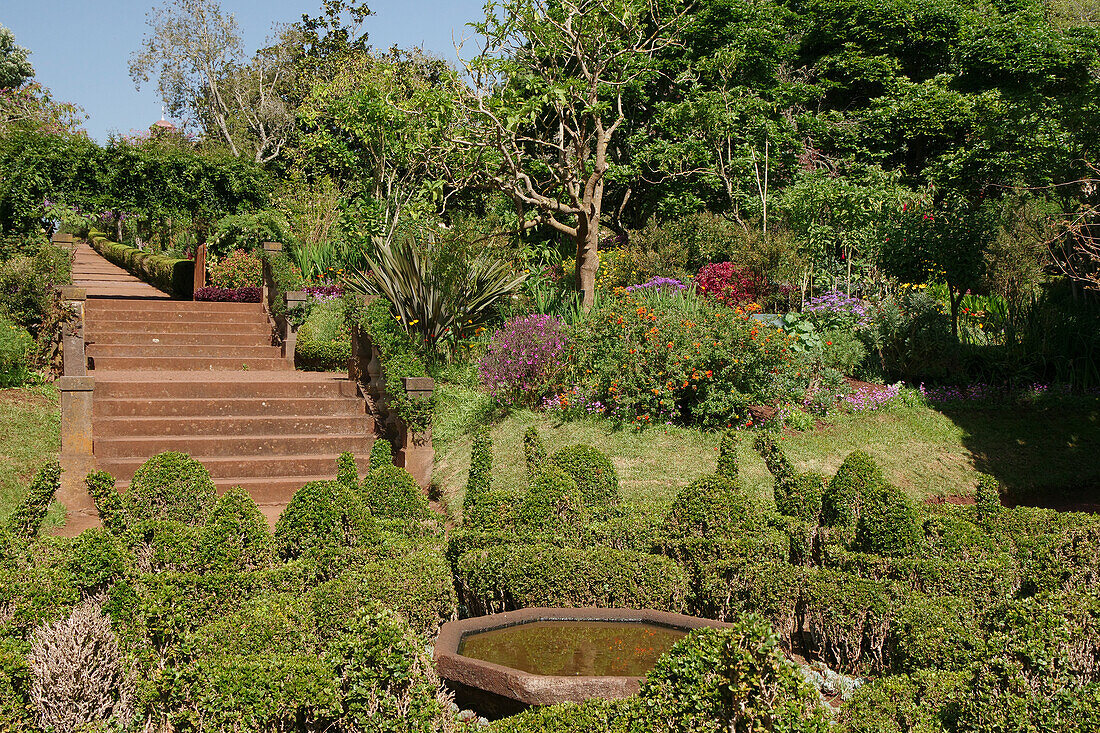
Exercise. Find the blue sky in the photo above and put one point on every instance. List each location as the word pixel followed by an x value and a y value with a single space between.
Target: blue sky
pixel 80 48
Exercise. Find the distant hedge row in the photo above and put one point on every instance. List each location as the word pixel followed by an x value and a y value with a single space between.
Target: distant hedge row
pixel 172 276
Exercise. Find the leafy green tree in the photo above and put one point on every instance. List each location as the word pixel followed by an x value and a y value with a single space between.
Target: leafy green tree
pixel 15 69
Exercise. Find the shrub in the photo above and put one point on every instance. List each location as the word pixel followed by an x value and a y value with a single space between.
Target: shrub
pixel 594 473
pixel 235 535
pixel 214 294
pixel 523 359
pixel 887 524
pixel 592 716
pixel 381 454
pixel 729 284
pixel 28 283
pixel 238 269
pixel 347 470
pixel 846 620
pixel 933 633
pixel 323 514
pixel 79 675
pixel 508 577
pixel 492 510
pixel 720 680
pixel 170 486
pixel 555 505
pixel 481 465
pixel 15 710
pixel 712 507
pixel 844 495
pixel 917 703
pixel 26 520
pixel 392 493
pixel 108 502
pixel 774 458
pixel 172 276
pixel 16 346
pixel 727 455
pixel 726 589
pixel 800 496
pixel 324 339
pixel 534 452
pixel 987 496
pixel 96 560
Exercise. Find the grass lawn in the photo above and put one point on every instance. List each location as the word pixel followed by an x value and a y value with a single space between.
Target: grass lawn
pixel 30 434
pixel 926 451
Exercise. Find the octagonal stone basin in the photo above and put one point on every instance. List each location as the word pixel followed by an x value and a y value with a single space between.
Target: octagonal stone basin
pixel 500 664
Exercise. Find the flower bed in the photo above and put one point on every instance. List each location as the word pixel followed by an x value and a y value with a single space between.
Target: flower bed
pixel 229 295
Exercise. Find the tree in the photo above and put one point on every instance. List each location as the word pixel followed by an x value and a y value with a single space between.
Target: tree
pixel 197 54
pixel 547 101
pixel 15 69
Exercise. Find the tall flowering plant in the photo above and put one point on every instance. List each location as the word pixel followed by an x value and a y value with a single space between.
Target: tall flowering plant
pixel 523 359
pixel 727 283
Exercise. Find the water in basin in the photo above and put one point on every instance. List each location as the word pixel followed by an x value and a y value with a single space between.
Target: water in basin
pixel 573 648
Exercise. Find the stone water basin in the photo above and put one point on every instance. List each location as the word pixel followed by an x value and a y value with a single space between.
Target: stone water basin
pixel 500 664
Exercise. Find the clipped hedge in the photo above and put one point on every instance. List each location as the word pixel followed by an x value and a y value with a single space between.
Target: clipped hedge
pixel 593 472
pixel 175 277
pixel 323 514
pixel 509 577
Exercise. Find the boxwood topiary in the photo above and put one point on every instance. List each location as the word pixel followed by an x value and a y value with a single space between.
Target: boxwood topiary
pixel 844 494
pixel 481 465
pixel 919 703
pixel 108 502
pixel 97 559
pixel 987 497
pixel 170 486
pixel 800 496
pixel 323 513
pixel 381 454
pixel 774 458
pixel 492 510
pixel 391 492
pixel 591 716
pixel 554 505
pixel 26 520
pixel 712 507
pixel 594 473
pixel 235 535
pixel 727 455
pixel 347 470
pixel 888 523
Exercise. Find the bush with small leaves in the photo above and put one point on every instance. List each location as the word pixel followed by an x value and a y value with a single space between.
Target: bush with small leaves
pixel 235 536
pixel 15 681
pixel 987 496
pixel 108 502
pixel 712 507
pixel 492 510
pixel 594 473
pixel 888 523
pixel 26 520
pixel 323 513
pixel 800 496
pixel 534 452
pixel 170 486
pixel 347 471
pixel 96 560
pixel 917 703
pixel 381 454
pixel 727 455
pixel 844 495
pixel 591 716
pixel 721 680
pixel 391 492
pixel 774 458
pixel 481 465
pixel 554 505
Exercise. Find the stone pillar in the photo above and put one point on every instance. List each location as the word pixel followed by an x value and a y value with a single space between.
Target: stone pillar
pixel 269 288
pixel 290 332
pixel 77 460
pixel 64 241
pixel 75 363
pixel 200 269
pixel 416 453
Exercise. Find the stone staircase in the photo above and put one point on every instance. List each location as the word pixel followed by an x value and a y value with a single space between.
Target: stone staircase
pixel 204 379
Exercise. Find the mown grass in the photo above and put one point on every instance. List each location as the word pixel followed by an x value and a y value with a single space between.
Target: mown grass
pixel 926 451
pixel 30 435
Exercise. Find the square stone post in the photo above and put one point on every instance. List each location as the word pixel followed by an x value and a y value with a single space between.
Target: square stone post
pixel 268 296
pixel 77 460
pixel 416 454
pixel 200 269
pixel 74 361
pixel 290 332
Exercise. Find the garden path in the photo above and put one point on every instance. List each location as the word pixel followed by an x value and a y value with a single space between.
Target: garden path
pixel 101 278
pixel 205 379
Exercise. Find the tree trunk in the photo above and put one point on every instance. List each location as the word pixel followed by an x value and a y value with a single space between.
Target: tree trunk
pixel 956 300
pixel 588 259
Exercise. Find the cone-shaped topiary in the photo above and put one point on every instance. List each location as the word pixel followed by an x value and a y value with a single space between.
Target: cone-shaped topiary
pixel 391 492
pixel 888 523
pixel 26 520
pixel 843 497
pixel 774 458
pixel 594 473
pixel 534 453
pixel 987 496
pixel 481 465
pixel 235 536
pixel 381 454
pixel 108 502
pixel 170 486
pixel 727 455
pixel 800 496
pixel 323 514
pixel 554 504
pixel 347 472
pixel 712 507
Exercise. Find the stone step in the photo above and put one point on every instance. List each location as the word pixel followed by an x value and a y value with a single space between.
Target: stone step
pixel 168 351
pixel 227 385
pixel 91 330
pixel 237 469
pixel 256 338
pixel 185 363
pixel 233 425
pixel 250 407
pixel 256 447
pixel 97 306
pixel 103 320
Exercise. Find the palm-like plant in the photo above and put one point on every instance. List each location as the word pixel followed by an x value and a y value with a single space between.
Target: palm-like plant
pixel 436 298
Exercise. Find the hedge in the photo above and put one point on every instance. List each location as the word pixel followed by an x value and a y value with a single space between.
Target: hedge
pixel 509 577
pixel 172 276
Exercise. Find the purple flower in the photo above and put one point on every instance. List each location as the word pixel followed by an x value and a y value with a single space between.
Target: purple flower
pixel 523 357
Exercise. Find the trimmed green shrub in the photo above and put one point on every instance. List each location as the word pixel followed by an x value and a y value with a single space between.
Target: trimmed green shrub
pixel 800 496
pixel 712 507
pixel 15 681
pixel 534 453
pixel 554 505
pixel 591 716
pixel 481 465
pixel 165 545
pixel 391 492
pixel 594 473
pixel 774 458
pixel 887 523
pixel 844 495
pixel 934 633
pixel 324 341
pixel 721 680
pixel 347 470
pixel 727 589
pixel 26 520
pixel 172 276
pixel 639 531
pixel 463 540
pixel 987 497
pixel 97 559
pixel 170 486
pixel 508 577
pixel 235 535
pixel 727 455
pixel 381 454
pixel 917 703
pixel 492 510
pixel 16 349
pixel 323 513
pixel 846 619
pixel 108 502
